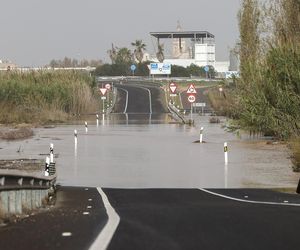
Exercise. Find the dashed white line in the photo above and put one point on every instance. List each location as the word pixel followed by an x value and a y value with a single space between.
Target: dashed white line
pixel 250 201
pixel 66 234
pixel 105 236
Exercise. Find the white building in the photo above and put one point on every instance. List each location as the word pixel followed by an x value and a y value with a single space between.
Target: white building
pixel 192 47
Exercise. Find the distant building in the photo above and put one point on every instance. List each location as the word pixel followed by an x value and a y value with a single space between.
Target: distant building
pixel 222 66
pixel 179 48
pixel 191 47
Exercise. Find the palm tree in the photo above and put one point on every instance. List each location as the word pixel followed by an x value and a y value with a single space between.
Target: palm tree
pixel 124 56
pixel 160 53
pixel 113 53
pixel 140 47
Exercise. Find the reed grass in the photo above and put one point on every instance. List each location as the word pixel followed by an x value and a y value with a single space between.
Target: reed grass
pixel 45 96
pixel 268 92
pixel 223 103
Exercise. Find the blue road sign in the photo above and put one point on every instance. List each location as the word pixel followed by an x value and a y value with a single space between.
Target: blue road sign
pixel 133 67
pixel 206 68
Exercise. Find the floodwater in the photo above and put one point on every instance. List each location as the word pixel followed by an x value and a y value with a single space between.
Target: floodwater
pixel 151 151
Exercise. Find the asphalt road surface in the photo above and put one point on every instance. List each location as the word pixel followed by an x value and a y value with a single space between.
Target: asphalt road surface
pixel 162 219
pixel 78 211
pixel 139 99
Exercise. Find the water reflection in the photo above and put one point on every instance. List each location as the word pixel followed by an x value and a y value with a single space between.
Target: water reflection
pixel 151 151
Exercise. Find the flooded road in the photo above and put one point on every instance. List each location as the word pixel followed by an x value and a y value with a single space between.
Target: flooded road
pixel 151 151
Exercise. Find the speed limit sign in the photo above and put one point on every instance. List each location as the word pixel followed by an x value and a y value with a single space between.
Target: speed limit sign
pixel 191 98
pixel 107 86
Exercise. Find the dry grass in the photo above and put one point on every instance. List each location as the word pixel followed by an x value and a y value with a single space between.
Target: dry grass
pixel 223 102
pixel 42 97
pixel 294 144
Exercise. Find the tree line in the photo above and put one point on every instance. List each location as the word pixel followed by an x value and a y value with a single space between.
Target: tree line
pixel 74 63
pixel 122 58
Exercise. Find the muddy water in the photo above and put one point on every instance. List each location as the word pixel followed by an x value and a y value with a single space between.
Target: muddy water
pixel 150 151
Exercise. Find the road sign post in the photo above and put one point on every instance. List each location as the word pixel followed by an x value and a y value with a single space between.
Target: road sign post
pixel 206 69
pixel 108 87
pixel 103 92
pixel 191 99
pixel 172 88
pixel 133 68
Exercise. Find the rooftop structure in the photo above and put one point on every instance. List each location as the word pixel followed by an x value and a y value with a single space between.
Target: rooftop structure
pixel 197 47
pixel 183 34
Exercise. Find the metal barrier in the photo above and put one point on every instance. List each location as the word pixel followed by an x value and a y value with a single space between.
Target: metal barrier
pixel 21 192
pixel 176 113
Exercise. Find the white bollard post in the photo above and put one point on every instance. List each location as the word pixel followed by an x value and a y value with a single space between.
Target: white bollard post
pixel 47 163
pixel 51 152
pixel 97 119
pixel 226 153
pixel 75 136
pixel 86 127
pixel 201 134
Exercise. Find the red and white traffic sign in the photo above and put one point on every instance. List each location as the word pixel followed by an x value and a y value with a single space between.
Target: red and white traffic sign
pixel 191 98
pixel 103 91
pixel 191 89
pixel 173 87
pixel 107 86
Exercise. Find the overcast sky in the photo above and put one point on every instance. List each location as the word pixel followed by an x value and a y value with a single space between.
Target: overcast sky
pixel 35 31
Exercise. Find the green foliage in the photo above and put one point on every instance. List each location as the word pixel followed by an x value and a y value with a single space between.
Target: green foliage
pixel 179 71
pixel 268 94
pixel 124 57
pixel 138 53
pixel 36 96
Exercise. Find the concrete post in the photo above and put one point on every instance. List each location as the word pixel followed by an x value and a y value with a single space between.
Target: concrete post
pixel 201 134
pixel 51 152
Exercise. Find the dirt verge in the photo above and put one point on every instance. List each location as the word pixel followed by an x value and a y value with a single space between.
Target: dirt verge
pixel 15 133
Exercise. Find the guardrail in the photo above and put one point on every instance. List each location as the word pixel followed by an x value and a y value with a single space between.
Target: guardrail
pixel 21 192
pixel 177 114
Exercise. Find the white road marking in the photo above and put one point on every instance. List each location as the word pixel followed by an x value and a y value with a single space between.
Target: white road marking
pixel 105 236
pixel 89 207
pixel 90 199
pixel 150 98
pixel 66 234
pixel 249 201
pixel 126 105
